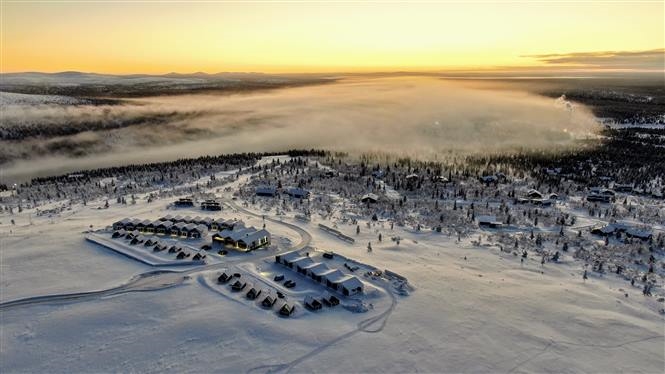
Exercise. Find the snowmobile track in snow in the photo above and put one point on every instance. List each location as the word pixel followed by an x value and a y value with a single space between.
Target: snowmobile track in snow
pixel 141 283
pixel 361 327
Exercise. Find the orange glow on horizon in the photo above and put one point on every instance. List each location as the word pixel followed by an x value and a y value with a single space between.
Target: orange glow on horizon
pixel 157 38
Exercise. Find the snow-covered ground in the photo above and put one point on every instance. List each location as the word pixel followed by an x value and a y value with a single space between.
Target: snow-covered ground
pixel 473 308
pixel 11 98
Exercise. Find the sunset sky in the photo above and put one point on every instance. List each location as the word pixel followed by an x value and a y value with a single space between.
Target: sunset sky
pixel 160 37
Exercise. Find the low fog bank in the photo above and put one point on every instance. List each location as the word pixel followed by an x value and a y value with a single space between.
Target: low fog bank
pixel 410 115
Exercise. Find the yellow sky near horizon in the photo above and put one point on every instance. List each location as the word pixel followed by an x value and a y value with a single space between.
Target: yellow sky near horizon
pixel 160 37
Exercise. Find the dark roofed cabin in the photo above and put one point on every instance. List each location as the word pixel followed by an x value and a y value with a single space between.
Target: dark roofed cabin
pixel 268 191
pixel 224 278
pixel 286 309
pixel 268 301
pixel 330 300
pixel 312 303
pixel 211 205
pixel 184 202
pixel 253 293
pixel 238 285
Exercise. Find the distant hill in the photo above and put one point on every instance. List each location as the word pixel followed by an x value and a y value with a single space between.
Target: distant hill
pixel 81 84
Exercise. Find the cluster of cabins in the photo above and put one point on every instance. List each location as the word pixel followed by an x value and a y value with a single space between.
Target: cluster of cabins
pixel 618 228
pixel 137 238
pixel 185 229
pixel 230 233
pixel 267 299
pixel 319 272
pixel 242 238
pixel 271 191
pixel 188 202
pixel 209 222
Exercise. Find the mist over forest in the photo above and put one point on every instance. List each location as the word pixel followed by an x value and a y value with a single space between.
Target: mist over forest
pixel 423 116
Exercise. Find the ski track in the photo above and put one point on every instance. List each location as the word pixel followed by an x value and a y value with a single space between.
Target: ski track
pixel 562 343
pixel 361 327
